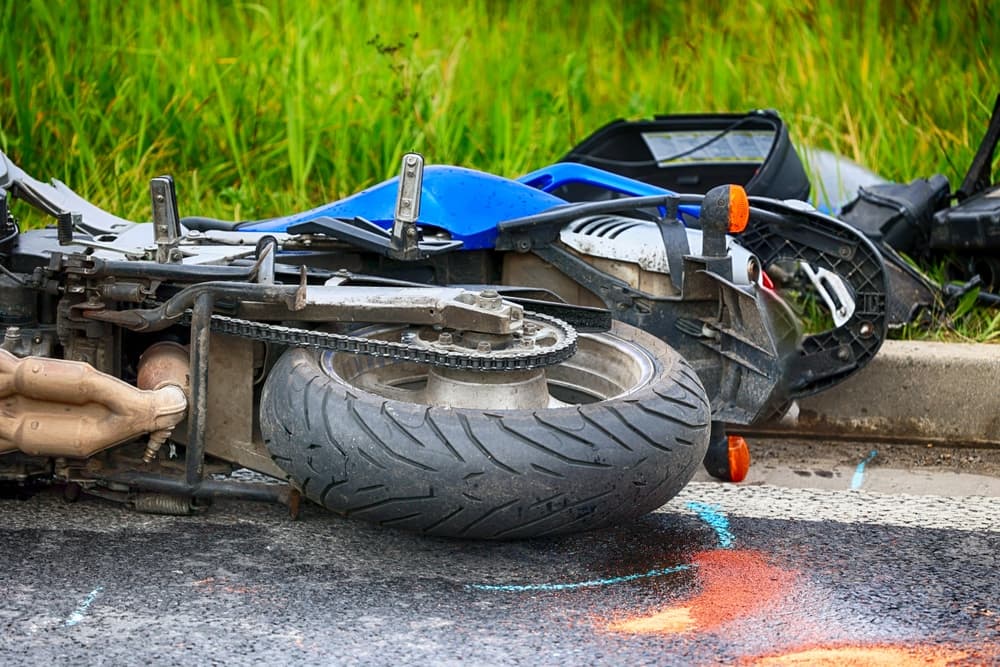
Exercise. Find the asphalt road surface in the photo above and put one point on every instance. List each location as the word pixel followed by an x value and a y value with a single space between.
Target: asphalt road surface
pixel 724 574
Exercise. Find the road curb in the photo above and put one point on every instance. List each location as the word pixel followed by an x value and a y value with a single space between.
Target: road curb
pixel 918 392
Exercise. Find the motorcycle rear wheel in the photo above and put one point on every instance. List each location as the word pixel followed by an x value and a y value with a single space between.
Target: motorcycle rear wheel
pixel 630 427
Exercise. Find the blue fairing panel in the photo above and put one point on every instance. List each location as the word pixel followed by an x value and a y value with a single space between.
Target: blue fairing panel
pixel 572 173
pixel 468 204
pixel 555 176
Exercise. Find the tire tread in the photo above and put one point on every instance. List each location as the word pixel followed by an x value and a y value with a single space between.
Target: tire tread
pixel 510 474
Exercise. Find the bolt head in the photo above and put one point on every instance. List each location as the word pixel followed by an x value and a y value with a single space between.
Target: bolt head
pixel 489 300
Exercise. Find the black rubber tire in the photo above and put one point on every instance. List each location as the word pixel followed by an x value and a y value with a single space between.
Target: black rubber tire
pixel 500 474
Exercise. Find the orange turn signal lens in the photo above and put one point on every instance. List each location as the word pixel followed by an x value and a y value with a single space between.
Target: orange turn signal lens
pixel 739 457
pixel 739 209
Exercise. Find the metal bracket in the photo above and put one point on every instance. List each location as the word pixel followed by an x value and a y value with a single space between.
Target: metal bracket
pixel 616 294
pixel 676 246
pixel 405 235
pixel 166 220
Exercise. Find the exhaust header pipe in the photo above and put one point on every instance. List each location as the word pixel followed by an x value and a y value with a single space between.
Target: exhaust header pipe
pixel 55 407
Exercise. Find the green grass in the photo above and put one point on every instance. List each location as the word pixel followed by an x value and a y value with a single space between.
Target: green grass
pixel 259 109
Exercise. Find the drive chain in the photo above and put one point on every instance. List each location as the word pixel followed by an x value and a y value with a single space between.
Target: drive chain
pixel 504 360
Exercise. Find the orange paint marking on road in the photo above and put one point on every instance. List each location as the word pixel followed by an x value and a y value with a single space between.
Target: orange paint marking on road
pixel 864 656
pixel 672 620
pixel 733 584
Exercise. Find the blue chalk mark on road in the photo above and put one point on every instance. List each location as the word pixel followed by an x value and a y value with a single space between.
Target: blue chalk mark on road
pixel 859 472
pixel 77 615
pixel 711 515
pixel 517 588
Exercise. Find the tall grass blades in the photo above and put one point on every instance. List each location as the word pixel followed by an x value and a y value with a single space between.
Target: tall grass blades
pixel 259 109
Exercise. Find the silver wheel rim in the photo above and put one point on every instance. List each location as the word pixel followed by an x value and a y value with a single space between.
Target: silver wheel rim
pixel 605 367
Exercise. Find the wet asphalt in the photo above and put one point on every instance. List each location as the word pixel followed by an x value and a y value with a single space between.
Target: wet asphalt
pixel 724 574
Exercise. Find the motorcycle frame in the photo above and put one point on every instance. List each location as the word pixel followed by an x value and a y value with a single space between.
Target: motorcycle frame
pixel 706 292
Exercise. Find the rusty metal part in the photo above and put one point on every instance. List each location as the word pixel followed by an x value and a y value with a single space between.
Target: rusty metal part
pixel 206 488
pixel 229 423
pixel 171 310
pixel 55 407
pixel 194 457
pixel 450 307
pixel 156 440
pixel 161 503
pixel 294 504
pixel 163 364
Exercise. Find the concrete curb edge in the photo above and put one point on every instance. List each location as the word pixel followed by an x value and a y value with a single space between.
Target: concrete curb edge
pixel 920 392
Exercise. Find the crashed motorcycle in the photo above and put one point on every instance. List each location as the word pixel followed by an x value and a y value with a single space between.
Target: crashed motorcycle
pixel 449 352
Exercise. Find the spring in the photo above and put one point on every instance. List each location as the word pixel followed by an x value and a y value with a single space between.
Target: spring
pixel 161 503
